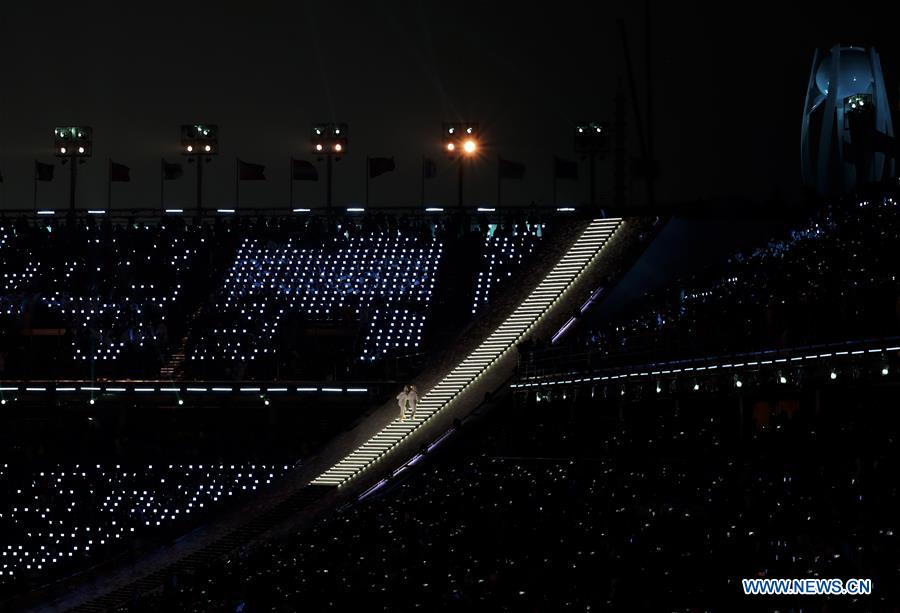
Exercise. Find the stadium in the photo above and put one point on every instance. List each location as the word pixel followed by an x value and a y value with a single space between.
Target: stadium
pixel 449 343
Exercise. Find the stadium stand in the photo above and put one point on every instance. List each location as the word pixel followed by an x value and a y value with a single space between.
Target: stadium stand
pixel 238 299
pixel 503 250
pixel 831 278
pixel 382 280
pixel 95 294
pixel 557 504
pixel 62 517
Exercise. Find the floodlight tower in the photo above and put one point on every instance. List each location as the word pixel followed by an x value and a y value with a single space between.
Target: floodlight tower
pixel 199 142
pixel 74 144
pixel 592 141
pixel 329 141
pixel 846 133
pixel 461 141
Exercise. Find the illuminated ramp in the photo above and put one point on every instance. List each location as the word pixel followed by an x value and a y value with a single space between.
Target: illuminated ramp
pixel 476 364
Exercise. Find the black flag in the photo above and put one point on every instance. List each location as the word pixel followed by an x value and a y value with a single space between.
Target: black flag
pixel 43 172
pixel 119 172
pixel 510 170
pixel 564 169
pixel 379 166
pixel 251 172
pixel 171 172
pixel 429 168
pixel 301 170
pixel 1 177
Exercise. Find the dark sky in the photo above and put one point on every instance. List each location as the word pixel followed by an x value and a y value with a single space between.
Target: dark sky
pixel 729 85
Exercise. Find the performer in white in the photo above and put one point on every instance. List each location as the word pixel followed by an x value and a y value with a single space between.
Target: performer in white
pixel 408 399
pixel 412 400
pixel 403 402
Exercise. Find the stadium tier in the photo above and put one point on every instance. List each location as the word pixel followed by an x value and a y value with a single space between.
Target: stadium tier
pixel 170 300
pixel 502 253
pixel 558 505
pixel 830 279
pixel 384 281
pixel 65 516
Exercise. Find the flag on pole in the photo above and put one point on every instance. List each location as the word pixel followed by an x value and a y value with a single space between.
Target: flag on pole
pixel 564 169
pixel 251 172
pixel 379 166
pixel 119 172
pixel 171 172
pixel 301 170
pixel 510 170
pixel 43 172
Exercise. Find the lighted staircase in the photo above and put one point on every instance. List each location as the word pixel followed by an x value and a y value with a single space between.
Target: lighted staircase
pixel 583 250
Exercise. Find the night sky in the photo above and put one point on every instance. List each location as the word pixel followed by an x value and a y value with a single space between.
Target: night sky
pixel 728 87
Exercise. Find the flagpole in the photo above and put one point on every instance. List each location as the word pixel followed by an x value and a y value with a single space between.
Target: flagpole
pixel 108 183
pixel 368 162
pixel 73 174
pixel 199 159
pixel 162 186
pixel 328 159
pixel 423 180
pixel 237 185
pixel 498 180
pixel 35 186
pixel 554 181
pixel 291 190
pixel 459 191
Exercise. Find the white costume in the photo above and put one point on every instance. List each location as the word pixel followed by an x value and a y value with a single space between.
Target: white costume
pixel 408 399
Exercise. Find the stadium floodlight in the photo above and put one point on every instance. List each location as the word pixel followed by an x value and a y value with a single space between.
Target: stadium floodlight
pixel 200 141
pixel 329 138
pixel 329 141
pixel 460 137
pixel 591 137
pixel 73 141
pixel 199 137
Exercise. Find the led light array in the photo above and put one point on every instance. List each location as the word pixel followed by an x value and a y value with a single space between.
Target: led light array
pixel 703 365
pixel 195 387
pixel 389 279
pixel 477 363
pixel 500 256
pixel 144 275
pixel 70 512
